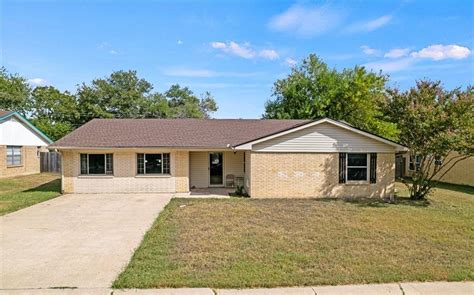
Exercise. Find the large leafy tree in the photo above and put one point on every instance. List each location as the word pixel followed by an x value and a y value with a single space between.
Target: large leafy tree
pixel 14 92
pixel 121 95
pixel 183 103
pixel 54 112
pixel 437 126
pixel 313 90
pixel 124 95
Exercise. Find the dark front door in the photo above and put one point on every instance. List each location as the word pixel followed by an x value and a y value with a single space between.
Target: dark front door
pixel 216 169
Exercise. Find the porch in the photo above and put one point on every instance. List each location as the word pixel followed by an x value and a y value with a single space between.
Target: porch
pixel 221 171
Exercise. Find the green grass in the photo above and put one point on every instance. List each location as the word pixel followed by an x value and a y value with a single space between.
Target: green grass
pixel 23 191
pixel 237 243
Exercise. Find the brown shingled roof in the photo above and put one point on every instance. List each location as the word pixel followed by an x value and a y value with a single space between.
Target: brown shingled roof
pixel 197 133
pixel 4 113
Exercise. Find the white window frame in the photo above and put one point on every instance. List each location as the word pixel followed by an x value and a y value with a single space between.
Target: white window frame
pixel 144 164
pixel 413 163
pixel 13 147
pixel 367 168
pixel 105 164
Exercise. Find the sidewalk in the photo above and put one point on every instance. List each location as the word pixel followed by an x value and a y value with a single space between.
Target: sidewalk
pixel 435 288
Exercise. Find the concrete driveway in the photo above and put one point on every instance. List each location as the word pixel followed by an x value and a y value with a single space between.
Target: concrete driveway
pixel 79 241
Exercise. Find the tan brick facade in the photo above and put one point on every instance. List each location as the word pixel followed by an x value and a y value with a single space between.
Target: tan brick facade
pixel 306 175
pixel 30 162
pixel 125 178
pixel 182 171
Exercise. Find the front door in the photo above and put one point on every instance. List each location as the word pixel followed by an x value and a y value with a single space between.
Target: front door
pixel 216 169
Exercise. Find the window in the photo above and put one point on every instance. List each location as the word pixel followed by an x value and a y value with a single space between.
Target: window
pixel 357 167
pixel 97 164
pixel 153 163
pixel 417 162
pixel 14 155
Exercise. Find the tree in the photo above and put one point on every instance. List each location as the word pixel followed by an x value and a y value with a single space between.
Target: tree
pixel 14 92
pixel 124 95
pixel 121 95
pixel 313 90
pixel 437 126
pixel 184 104
pixel 54 112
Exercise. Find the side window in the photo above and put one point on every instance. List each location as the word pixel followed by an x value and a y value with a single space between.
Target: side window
pixel 357 167
pixel 14 155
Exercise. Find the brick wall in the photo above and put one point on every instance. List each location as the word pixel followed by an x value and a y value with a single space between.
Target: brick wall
pixel 303 175
pixel 125 178
pixel 30 162
pixel 182 171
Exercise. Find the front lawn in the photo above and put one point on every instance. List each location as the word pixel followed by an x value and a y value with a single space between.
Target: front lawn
pixel 23 191
pixel 236 243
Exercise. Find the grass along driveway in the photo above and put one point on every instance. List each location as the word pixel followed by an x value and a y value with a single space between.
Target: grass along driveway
pixel 236 243
pixel 23 191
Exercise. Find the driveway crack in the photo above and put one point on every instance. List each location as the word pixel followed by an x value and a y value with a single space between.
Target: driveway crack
pixel 401 288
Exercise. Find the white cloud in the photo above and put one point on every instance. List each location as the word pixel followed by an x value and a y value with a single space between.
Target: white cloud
pixel 306 20
pixel 234 48
pixel 397 53
pixel 204 73
pixel 244 50
pixel 37 82
pixel 371 25
pixel 390 66
pixel 369 51
pixel 290 62
pixel 107 47
pixel 440 52
pixel 179 42
pixel 218 45
pixel 269 54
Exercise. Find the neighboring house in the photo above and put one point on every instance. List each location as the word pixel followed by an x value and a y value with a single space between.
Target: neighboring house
pixel 20 145
pixel 271 158
pixel 461 173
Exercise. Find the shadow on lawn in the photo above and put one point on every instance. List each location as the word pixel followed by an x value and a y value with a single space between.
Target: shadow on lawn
pixel 52 186
pixel 378 202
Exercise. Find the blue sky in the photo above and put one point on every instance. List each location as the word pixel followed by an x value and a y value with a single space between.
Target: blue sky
pixel 235 49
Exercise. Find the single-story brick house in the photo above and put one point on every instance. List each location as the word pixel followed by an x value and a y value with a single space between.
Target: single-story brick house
pixel 270 158
pixel 20 145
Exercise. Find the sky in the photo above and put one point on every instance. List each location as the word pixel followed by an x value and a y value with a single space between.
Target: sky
pixel 235 49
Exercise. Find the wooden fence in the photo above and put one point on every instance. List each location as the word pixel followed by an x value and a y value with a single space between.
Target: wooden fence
pixel 50 162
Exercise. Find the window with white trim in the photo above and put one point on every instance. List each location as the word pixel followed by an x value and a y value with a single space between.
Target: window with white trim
pixel 14 154
pixel 153 163
pixel 357 167
pixel 97 164
pixel 415 162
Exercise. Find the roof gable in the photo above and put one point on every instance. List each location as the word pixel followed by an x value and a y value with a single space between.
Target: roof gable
pixel 329 140
pixel 8 119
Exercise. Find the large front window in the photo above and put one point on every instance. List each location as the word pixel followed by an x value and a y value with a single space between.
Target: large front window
pixel 97 164
pixel 153 163
pixel 13 155
pixel 357 167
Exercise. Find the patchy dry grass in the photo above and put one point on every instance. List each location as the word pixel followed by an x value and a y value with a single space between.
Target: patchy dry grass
pixel 235 243
pixel 23 191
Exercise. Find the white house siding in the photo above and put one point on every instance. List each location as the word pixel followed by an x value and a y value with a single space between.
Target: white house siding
pixel 14 132
pixel 125 179
pixel 248 173
pixel 324 137
pixel 199 167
